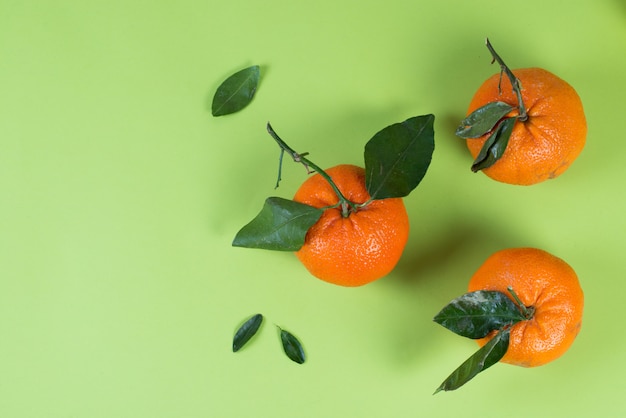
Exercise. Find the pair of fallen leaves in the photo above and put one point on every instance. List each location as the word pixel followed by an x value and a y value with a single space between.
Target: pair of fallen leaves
pixel 291 345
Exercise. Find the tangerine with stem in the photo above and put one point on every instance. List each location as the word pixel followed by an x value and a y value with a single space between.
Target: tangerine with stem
pixel 549 132
pixel 356 241
pixel 549 295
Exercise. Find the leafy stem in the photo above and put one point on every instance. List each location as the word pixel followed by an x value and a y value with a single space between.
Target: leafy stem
pixel 396 160
pixel 346 205
pixel 515 83
pixel 480 314
pixel 492 118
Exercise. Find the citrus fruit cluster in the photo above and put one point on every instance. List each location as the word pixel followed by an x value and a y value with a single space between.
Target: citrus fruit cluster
pixel 348 225
pixel 524 306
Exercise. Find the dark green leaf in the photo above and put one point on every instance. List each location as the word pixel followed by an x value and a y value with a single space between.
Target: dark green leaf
pixel 281 225
pixel 476 314
pixel 495 145
pixel 246 331
pixel 397 157
pixel 236 91
pixel 484 358
pixel 291 345
pixel 483 119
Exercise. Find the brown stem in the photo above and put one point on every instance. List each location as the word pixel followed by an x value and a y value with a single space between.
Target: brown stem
pixel 346 205
pixel 517 87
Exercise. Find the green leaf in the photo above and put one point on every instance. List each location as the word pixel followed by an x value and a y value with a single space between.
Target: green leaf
pixel 246 331
pixel 236 92
pixel 292 347
pixel 281 225
pixel 476 314
pixel 495 145
pixel 397 157
pixel 484 358
pixel 483 119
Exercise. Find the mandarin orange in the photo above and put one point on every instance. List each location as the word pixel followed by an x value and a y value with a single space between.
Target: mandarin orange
pixel 545 144
pixel 356 249
pixel 547 286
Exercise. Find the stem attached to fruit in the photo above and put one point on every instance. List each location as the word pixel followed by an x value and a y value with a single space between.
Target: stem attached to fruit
pixel 346 206
pixel 527 311
pixel 517 87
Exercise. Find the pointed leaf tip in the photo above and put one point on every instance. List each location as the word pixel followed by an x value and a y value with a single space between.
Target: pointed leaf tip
pixel 495 146
pixel 476 314
pixel 292 347
pixel 236 92
pixel 482 120
pixel 281 225
pixel 480 361
pixel 246 331
pixel 398 156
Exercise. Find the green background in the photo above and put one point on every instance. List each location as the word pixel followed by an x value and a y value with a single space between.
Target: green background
pixel 120 195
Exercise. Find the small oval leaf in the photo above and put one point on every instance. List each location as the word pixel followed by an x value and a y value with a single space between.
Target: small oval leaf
pixel 476 314
pixel 236 92
pixel 281 225
pixel 246 331
pixel 292 347
pixel 484 358
pixel 494 146
pixel 483 119
pixel 398 156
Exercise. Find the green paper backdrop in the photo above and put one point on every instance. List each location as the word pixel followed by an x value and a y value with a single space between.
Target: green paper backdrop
pixel 120 195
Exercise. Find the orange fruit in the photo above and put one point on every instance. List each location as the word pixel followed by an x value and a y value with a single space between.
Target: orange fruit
pixel 544 283
pixel 357 249
pixel 544 145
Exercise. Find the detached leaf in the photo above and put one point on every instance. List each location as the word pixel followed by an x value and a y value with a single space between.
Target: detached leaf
pixel 483 119
pixel 476 314
pixel 484 358
pixel 292 347
pixel 281 225
pixel 246 331
pixel 397 157
pixel 495 145
pixel 236 92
